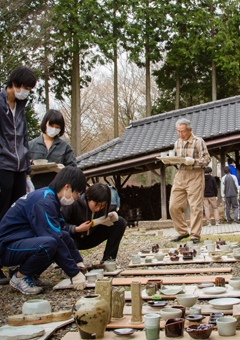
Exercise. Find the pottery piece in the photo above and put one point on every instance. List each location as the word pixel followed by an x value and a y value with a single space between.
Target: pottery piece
pixel 205 285
pixel 206 242
pixel 224 247
pixel 159 256
pixel 99 273
pixel 21 332
pixel 103 287
pixel 187 300
pixel 236 251
pixel 91 277
pixel 150 289
pixel 174 258
pixel 172 290
pixel 182 308
pixel 40 161
pixel 226 326
pixel 235 282
pixel 195 318
pixel 220 242
pixel 136 302
pixel 148 259
pixel 146 251
pixel 118 302
pixel 216 255
pixel 163 154
pixel 214 290
pixel 157 304
pixel 202 331
pixel 187 257
pixel 211 247
pixel 236 256
pixel 136 259
pixel 98 266
pixel 224 303
pixel 170 313
pixel 152 326
pixel 195 310
pixel 190 244
pixel 157 282
pixel 173 252
pixel 174 328
pixel 155 248
pixel 110 265
pixel 171 153
pixel 91 315
pixel 220 281
pixel 213 318
pixel 124 331
pixel 36 306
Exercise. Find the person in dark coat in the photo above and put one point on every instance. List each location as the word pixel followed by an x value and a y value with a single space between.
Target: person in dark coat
pixel 32 233
pixel 210 197
pixel 90 223
pixel 51 147
pixel 15 165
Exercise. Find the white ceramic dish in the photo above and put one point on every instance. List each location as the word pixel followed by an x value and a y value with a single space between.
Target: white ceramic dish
pixel 224 303
pixel 235 283
pixel 40 161
pixel 214 290
pixel 36 306
pixel 124 331
pixel 172 291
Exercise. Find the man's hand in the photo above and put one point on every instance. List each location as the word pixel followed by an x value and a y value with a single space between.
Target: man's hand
pixel 223 199
pixel 79 282
pixel 83 227
pixel 189 160
pixel 29 185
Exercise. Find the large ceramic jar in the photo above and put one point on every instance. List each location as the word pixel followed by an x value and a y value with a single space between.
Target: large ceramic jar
pixel 91 314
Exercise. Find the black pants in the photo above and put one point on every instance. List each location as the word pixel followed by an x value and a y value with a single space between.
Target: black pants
pixel 12 187
pixel 100 233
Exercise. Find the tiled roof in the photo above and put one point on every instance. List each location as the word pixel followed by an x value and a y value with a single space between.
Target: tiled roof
pixel 158 133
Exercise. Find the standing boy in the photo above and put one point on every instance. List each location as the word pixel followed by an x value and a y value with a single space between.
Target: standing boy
pixel 230 192
pixel 210 196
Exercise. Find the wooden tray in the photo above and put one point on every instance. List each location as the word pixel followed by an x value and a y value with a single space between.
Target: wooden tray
pixel 172 160
pixel 175 271
pixel 48 167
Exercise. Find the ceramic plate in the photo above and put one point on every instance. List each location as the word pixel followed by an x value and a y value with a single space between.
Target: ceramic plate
pixel 214 290
pixel 158 304
pixel 172 291
pixel 205 285
pixel 21 332
pixel 224 303
pixel 124 331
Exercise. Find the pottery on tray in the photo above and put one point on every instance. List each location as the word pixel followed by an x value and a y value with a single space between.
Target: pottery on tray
pixel 235 283
pixel 205 285
pixel 182 308
pixel 213 318
pixel 195 318
pixel 216 255
pixel 36 306
pixel 224 303
pixel 40 161
pixel 226 326
pixel 187 300
pixel 202 331
pixel 157 304
pixel 214 290
pixel 124 331
pixel 159 256
pixel 172 291
pixel 236 256
pixel 169 313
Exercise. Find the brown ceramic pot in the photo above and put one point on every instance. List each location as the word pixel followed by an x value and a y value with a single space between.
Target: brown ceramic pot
pixel 91 314
pixel 182 309
pixel 174 328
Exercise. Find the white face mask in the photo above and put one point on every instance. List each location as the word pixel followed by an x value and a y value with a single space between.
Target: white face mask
pixel 22 94
pixel 65 201
pixel 52 132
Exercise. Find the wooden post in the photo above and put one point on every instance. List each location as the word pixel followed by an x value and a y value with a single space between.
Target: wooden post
pixel 136 302
pixel 163 192
pixel 237 159
pixel 222 161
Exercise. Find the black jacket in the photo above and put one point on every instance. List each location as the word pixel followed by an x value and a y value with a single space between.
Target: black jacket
pixel 78 213
pixel 210 186
pixel 14 149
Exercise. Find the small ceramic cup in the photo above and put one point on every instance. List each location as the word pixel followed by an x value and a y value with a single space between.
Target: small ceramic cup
pixel 226 326
pixel 151 289
pixel 36 306
pixel 136 259
pixel 190 244
pixel 171 153
pixel 206 242
pixel 157 282
pixel 174 328
pixel 110 266
pixel 211 247
pixel 182 309
pixel 235 282
pixel 220 281
pixel 99 272
pixel 91 277
pixel 195 310
pixel 224 247
pixel 152 326
pixel 163 154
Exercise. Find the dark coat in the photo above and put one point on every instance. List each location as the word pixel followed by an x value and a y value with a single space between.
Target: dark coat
pixel 210 186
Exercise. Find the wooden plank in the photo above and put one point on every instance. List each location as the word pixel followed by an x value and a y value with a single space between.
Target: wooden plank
pixel 175 271
pixel 125 281
pixel 142 336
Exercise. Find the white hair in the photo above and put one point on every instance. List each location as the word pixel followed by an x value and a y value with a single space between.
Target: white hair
pixel 184 121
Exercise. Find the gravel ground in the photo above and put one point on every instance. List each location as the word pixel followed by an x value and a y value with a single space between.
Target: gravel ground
pixel 12 301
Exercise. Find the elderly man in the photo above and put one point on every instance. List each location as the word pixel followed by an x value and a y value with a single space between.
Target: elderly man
pixel 189 182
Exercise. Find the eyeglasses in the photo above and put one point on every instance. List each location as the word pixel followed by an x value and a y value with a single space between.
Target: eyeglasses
pixel 182 132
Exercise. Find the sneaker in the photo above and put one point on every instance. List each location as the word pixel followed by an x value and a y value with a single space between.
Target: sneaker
pixel 3 279
pixel 209 224
pixel 237 221
pixel 218 223
pixel 25 285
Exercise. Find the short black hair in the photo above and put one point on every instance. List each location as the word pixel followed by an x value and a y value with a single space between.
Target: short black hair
pixel 226 170
pixel 208 169
pixel 230 160
pixel 98 193
pixel 22 75
pixel 69 175
pixel 53 117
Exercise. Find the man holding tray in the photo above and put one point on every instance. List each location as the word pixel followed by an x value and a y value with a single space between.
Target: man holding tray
pixel 189 182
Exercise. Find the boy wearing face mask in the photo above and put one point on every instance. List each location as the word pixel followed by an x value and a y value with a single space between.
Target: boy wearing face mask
pixel 32 233
pixel 15 165
pixel 51 147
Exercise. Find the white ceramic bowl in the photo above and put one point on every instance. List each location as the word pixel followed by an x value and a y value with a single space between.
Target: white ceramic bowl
pixel 40 161
pixel 226 326
pixel 91 277
pixel 235 282
pixel 236 256
pixel 169 313
pixel 159 257
pixel 187 300
pixel 36 306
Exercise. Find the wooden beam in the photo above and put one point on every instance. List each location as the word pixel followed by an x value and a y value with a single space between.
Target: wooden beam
pixel 154 171
pixel 163 192
pixel 126 179
pixel 222 161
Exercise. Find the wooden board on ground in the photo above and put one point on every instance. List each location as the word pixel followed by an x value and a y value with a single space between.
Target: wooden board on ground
pixel 175 271
pixel 38 319
pixel 188 290
pixel 206 310
pixel 142 336
pixel 201 259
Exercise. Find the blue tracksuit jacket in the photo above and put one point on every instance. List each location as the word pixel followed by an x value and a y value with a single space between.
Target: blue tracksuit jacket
pixel 38 214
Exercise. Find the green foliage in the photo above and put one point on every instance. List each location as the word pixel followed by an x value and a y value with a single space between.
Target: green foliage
pixel 34 129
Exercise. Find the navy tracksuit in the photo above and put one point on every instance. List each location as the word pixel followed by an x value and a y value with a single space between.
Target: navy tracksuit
pixel 32 235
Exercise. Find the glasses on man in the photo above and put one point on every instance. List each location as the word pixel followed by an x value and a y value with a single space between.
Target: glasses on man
pixel 182 132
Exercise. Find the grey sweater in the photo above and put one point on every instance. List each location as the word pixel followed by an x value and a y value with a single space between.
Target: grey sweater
pixel 229 186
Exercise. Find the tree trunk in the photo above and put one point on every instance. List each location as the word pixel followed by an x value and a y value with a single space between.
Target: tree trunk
pixel 177 93
pixel 214 81
pixel 75 106
pixel 148 88
pixel 115 75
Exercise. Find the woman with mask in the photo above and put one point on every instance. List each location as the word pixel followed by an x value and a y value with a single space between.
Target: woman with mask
pixel 51 147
